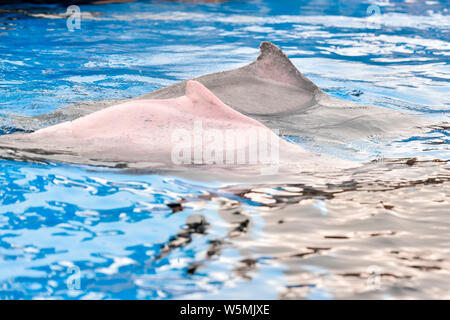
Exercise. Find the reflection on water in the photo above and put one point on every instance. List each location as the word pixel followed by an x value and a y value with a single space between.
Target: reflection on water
pixel 381 231
pixel 162 237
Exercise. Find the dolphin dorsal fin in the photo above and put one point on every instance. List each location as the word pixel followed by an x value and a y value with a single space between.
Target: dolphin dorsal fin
pixel 207 104
pixel 198 92
pixel 273 64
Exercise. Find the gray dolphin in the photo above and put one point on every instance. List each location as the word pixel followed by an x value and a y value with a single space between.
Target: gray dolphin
pixel 272 90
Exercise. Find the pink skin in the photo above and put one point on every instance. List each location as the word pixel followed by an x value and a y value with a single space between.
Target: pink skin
pixel 140 131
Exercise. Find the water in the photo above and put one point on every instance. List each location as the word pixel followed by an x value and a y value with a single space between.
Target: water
pixel 75 232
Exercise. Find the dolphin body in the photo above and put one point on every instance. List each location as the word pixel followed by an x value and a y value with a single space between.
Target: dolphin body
pixel 269 91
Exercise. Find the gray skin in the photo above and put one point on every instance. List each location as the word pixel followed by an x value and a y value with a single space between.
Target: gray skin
pixel 270 90
pixel 273 91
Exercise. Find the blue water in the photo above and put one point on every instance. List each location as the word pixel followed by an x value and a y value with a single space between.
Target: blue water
pixel 88 233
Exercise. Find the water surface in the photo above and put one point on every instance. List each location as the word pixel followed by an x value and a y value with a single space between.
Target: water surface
pixel 381 231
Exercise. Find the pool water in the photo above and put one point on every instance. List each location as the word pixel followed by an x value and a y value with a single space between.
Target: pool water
pixel 78 232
